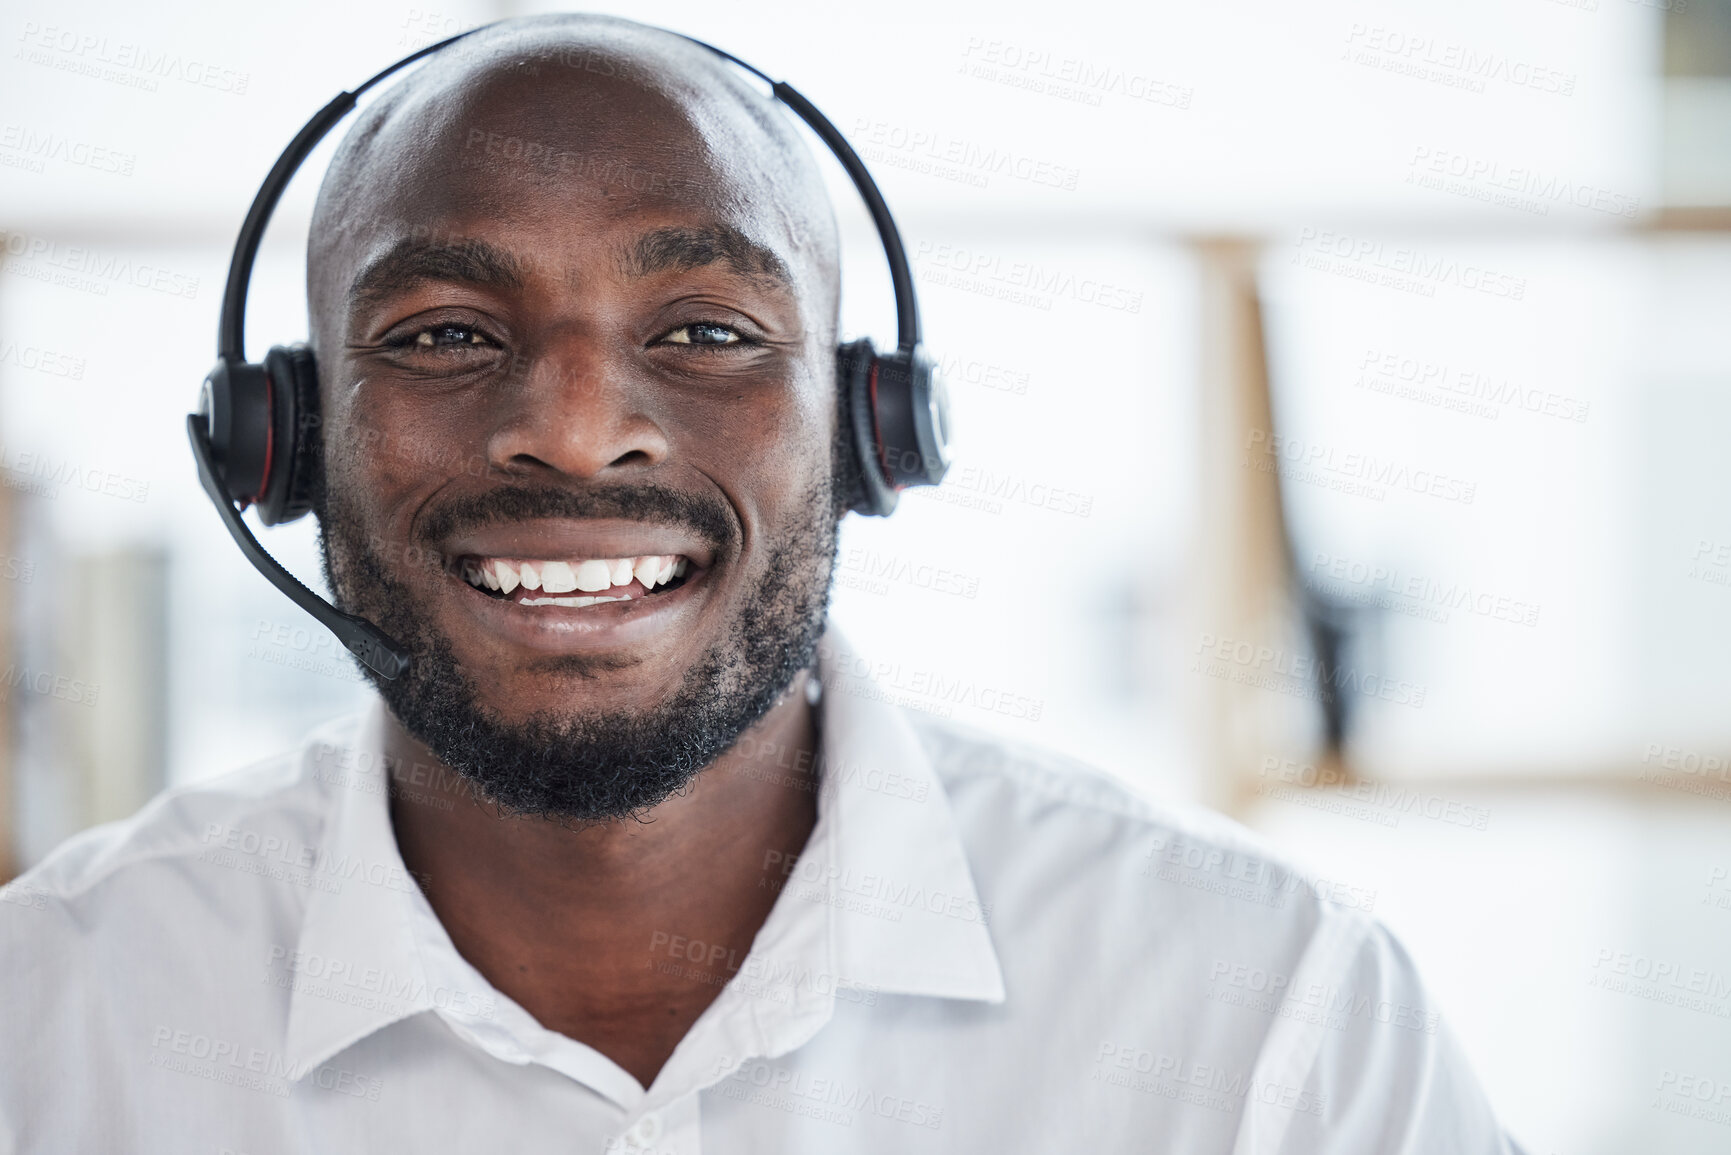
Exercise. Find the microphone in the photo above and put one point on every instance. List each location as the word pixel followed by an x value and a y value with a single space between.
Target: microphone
pixel 383 654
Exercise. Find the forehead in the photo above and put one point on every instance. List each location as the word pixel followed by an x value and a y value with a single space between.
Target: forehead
pixel 550 156
pixel 489 254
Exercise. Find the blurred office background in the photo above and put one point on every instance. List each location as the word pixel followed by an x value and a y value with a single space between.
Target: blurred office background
pixel 1342 392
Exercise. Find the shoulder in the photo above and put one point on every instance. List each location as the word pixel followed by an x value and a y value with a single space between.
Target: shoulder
pixel 1035 795
pixel 162 922
pixel 1066 848
pixel 282 798
pixel 1206 937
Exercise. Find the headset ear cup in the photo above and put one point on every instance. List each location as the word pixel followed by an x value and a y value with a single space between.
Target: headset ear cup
pixel 308 457
pixel 872 493
pixel 236 407
pixel 287 492
pixel 911 412
pixel 930 400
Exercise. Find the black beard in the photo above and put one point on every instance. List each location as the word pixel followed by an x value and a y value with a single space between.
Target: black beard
pixel 594 767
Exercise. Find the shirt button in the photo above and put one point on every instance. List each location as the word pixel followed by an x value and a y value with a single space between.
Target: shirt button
pixel 646 1130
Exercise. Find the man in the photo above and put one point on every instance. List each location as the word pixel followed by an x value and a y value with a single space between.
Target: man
pixel 633 858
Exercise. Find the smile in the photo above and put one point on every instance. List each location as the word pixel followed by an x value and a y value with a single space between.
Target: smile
pixel 574 583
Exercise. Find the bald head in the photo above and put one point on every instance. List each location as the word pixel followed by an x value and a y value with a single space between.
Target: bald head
pixel 564 117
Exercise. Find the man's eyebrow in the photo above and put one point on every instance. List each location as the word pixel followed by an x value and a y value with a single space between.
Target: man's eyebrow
pixel 413 260
pixel 681 248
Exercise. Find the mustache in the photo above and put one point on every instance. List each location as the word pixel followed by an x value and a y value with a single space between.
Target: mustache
pixel 709 518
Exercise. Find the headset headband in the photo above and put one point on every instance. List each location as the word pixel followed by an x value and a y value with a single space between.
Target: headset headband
pixel 231 337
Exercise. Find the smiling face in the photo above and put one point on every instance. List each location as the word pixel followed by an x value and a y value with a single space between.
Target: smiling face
pixel 574 295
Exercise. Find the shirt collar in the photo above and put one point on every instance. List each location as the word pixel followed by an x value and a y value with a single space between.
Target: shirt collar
pixel 907 916
pixel 881 900
pixel 356 967
pixel 372 951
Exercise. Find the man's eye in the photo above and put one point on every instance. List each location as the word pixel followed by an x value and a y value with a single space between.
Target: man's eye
pixel 446 336
pixel 703 333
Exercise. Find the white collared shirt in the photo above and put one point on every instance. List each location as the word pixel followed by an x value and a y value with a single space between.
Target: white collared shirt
pixel 983 948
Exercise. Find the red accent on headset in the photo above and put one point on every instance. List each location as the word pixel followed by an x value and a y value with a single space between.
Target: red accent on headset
pixel 877 429
pixel 269 439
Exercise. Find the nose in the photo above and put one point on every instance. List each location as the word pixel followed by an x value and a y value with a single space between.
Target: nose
pixel 575 408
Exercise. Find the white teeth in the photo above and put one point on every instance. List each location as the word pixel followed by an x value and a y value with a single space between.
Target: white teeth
pixel 570 603
pixel 594 576
pixel 557 578
pixel 478 576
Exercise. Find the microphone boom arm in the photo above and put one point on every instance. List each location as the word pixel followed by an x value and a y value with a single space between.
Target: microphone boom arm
pixel 382 653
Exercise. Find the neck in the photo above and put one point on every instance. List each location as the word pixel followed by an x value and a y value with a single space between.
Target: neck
pixel 578 923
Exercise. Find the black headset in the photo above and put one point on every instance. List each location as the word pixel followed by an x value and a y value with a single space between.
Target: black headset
pixel 255 435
